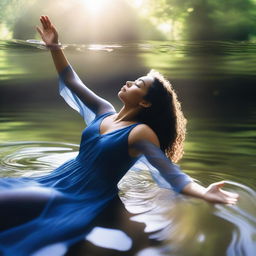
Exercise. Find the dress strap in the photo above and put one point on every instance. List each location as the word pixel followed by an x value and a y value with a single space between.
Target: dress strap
pixel 104 115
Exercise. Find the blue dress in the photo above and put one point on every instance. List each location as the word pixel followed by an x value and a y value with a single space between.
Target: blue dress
pixel 78 190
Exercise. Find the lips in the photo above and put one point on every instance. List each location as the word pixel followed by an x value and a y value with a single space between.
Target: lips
pixel 123 89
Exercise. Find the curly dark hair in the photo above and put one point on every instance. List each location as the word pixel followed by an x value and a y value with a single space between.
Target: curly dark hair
pixel 165 116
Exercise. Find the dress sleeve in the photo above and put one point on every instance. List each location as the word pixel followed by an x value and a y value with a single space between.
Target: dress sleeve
pixel 74 101
pixel 165 173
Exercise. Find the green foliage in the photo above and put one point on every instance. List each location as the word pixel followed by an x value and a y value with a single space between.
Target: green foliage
pixel 207 19
pixel 12 9
pixel 221 20
pixel 188 19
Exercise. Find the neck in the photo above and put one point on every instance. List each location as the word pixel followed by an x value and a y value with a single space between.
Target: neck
pixel 127 114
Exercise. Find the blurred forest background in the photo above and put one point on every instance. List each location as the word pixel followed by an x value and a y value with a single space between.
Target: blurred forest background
pixel 82 21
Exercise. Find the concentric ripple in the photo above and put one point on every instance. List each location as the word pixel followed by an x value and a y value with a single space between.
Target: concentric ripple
pixel 184 225
pixel 33 158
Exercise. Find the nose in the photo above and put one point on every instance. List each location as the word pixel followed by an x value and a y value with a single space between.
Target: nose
pixel 128 83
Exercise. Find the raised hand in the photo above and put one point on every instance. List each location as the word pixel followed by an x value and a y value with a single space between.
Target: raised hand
pixel 215 194
pixel 48 32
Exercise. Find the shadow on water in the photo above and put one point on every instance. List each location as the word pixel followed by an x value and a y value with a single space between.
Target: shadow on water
pixel 215 82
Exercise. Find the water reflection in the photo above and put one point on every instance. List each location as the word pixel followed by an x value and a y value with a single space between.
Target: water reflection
pixel 215 82
pixel 180 59
pixel 187 226
pixel 110 238
pixel 58 249
pixel 243 218
pixel 178 223
pixel 33 158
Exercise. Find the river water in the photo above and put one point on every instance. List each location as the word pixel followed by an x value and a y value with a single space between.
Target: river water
pixel 215 82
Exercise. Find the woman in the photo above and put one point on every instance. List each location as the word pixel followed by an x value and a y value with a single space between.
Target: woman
pixel 68 199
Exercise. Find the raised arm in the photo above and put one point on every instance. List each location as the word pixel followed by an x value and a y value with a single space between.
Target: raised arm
pixel 49 35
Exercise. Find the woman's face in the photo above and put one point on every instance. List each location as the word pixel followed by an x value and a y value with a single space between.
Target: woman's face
pixel 133 92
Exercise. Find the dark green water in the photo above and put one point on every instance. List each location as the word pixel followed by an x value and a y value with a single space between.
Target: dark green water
pixel 215 82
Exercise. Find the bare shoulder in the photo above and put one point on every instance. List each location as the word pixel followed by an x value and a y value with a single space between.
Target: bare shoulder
pixel 143 132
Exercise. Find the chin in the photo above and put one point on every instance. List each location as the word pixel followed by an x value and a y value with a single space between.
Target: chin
pixel 120 96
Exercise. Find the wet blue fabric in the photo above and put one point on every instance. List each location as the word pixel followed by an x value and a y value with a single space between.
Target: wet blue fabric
pixel 80 188
pixel 76 192
pixel 165 173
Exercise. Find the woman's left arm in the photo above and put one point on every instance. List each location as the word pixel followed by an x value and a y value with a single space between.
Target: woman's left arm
pixel 179 181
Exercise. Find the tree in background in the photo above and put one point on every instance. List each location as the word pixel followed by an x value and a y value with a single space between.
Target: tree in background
pixel 153 19
pixel 202 19
pixel 79 21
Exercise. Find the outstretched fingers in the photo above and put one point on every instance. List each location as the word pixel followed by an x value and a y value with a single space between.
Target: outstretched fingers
pixel 229 194
pixel 215 193
pixel 44 22
pixel 232 201
pixel 229 199
pixel 224 192
pixel 48 22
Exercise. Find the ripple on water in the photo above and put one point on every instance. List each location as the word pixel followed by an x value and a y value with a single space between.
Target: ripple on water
pixel 180 225
pixel 224 58
pixel 33 158
pixel 186 226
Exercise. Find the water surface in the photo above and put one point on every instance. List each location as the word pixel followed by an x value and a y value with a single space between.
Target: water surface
pixel 215 82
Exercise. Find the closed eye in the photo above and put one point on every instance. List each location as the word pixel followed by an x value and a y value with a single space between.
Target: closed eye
pixel 137 85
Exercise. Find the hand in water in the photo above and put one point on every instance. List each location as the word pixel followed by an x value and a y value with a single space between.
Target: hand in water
pixel 48 32
pixel 215 194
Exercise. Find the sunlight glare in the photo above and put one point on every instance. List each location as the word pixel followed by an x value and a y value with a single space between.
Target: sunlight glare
pixel 95 6
pixel 5 33
pixel 190 9
pixel 165 27
pixel 138 3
